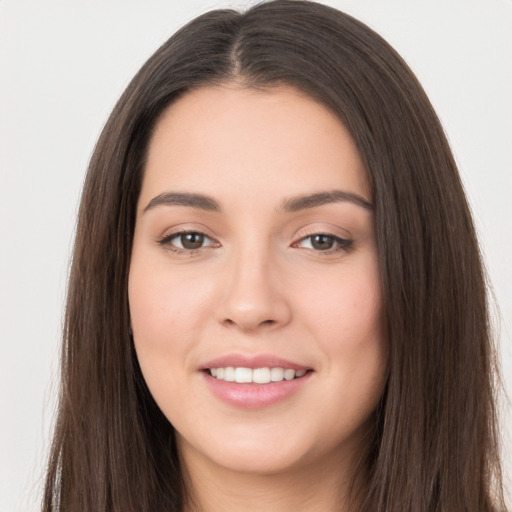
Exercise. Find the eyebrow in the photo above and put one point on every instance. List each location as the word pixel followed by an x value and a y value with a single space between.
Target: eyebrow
pixel 294 204
pixel 305 202
pixel 184 199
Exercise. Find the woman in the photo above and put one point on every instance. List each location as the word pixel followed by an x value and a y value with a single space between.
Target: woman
pixel 276 298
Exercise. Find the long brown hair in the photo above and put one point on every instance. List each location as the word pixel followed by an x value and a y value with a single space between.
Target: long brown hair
pixel 434 445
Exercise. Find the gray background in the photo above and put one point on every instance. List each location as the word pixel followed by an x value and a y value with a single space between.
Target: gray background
pixel 64 63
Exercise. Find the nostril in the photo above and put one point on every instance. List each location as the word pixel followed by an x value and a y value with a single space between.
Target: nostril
pixel 244 323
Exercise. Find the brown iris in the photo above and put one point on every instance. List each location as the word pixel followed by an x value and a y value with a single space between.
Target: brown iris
pixel 322 242
pixel 192 240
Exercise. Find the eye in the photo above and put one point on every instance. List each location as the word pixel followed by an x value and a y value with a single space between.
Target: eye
pixel 323 242
pixel 187 241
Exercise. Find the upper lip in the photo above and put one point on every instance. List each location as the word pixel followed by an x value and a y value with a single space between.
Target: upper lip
pixel 252 361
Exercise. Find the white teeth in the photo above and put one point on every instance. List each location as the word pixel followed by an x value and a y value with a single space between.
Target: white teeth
pixel 276 374
pixel 229 374
pixel 256 376
pixel 261 375
pixel 243 375
pixel 289 374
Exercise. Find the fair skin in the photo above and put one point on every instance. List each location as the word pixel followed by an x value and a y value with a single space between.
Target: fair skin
pixel 230 269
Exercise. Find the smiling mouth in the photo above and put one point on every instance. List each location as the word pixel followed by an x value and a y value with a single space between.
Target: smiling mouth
pixel 266 375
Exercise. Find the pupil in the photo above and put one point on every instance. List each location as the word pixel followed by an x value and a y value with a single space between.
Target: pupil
pixel 322 242
pixel 192 240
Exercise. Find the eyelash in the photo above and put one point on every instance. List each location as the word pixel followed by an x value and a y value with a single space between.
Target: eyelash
pixel 342 244
pixel 166 242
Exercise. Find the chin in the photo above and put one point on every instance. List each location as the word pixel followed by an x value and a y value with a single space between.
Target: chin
pixel 259 463
pixel 261 451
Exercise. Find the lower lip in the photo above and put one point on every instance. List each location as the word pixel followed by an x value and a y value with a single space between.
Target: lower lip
pixel 254 396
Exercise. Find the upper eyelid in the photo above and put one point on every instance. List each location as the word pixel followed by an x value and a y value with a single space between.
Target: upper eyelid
pixel 323 233
pixel 185 228
pixel 334 231
pixel 176 234
pixel 337 238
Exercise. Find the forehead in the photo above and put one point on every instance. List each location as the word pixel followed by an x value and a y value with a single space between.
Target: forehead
pixel 235 139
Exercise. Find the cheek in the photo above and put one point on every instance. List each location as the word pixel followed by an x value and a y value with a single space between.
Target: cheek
pixel 155 316
pixel 169 312
pixel 163 314
pixel 346 320
pixel 346 310
pixel 163 303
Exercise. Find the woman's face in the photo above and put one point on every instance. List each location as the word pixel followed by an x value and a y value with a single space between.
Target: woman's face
pixel 255 259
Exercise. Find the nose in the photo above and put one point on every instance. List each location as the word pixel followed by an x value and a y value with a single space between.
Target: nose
pixel 253 295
